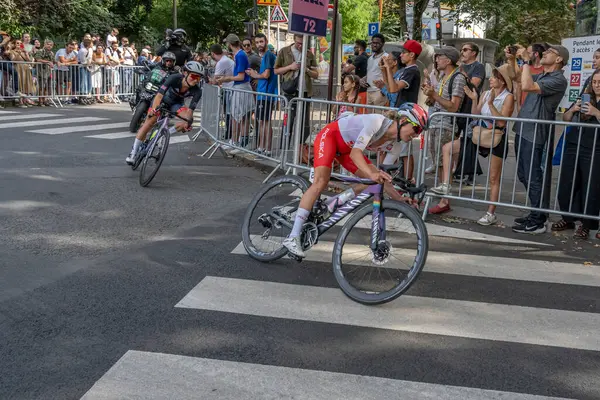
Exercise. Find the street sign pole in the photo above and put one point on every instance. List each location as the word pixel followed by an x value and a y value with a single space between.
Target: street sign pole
pixel 300 105
pixel 269 24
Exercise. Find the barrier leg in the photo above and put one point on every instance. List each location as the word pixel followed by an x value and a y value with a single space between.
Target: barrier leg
pixel 209 149
pixel 426 209
pixel 272 173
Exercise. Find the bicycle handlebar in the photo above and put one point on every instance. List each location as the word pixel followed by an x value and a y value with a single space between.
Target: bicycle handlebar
pixel 164 110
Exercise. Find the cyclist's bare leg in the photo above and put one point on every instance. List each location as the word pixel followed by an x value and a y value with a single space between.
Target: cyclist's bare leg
pixel 321 179
pixel 145 128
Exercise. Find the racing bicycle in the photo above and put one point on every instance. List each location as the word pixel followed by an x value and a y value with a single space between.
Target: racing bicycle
pixel 369 279
pixel 153 150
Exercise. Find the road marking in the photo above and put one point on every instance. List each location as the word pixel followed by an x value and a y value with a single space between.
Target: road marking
pixel 179 139
pixel 469 265
pixel 8 112
pixel 118 135
pixel 141 374
pixel 32 116
pixel 80 128
pixel 62 121
pixel 468 319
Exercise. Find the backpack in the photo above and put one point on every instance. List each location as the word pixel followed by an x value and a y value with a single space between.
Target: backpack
pixel 466 103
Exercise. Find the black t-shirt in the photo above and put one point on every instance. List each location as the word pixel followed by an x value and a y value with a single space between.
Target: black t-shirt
pixel 170 89
pixel 409 94
pixel 360 63
pixel 182 53
pixel 587 134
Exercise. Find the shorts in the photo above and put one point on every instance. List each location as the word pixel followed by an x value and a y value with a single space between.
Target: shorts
pixel 329 145
pixel 499 151
pixel 64 76
pixel 264 108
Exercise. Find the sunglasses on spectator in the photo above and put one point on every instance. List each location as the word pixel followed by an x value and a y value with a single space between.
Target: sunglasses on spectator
pixel 247 45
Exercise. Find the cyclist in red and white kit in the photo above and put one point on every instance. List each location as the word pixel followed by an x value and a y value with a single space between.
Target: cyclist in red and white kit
pixel 345 140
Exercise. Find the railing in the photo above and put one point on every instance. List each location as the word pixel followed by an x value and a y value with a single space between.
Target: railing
pixel 519 171
pixel 57 84
pixel 233 120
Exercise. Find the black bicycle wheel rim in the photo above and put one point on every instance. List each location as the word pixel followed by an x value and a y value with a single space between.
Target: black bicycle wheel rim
pixel 246 239
pixel 414 272
pixel 163 153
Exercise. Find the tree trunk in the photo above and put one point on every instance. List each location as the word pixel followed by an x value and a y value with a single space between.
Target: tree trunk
pixel 402 15
pixel 420 6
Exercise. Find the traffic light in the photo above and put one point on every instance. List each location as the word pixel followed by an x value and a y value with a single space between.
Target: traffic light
pixel 438 31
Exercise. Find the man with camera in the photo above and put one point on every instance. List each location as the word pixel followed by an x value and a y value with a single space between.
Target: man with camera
pixel 544 93
pixel 175 43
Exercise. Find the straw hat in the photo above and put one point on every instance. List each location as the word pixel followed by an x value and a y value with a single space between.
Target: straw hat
pixel 503 71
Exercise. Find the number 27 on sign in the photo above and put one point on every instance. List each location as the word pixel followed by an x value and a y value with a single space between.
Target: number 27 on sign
pixel 309 25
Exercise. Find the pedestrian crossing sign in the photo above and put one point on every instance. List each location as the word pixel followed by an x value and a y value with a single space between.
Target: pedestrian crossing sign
pixel 277 15
pixel 267 2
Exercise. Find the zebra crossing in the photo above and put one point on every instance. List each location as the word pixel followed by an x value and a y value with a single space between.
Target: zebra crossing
pixel 59 123
pixel 482 317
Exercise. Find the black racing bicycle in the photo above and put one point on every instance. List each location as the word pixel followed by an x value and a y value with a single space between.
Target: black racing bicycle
pixel 367 244
pixel 153 150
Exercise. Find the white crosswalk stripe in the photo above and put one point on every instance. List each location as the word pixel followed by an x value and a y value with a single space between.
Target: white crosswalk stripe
pixel 64 121
pixel 160 376
pixel 114 130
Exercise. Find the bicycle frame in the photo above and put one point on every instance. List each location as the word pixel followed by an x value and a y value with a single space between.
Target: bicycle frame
pixel 378 221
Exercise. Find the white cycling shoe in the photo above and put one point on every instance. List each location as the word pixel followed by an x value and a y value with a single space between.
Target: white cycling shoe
pixel 130 159
pixel 294 246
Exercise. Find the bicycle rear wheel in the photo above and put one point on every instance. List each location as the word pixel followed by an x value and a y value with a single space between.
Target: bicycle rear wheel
pixel 365 275
pixel 154 157
pixel 262 232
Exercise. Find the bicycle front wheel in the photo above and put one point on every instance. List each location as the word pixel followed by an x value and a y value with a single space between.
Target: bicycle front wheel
pixel 154 157
pixel 369 276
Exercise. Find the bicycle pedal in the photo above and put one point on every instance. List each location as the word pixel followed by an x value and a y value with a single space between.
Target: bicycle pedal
pixel 295 257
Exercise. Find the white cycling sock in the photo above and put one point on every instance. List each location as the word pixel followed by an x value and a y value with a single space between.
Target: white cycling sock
pixel 136 145
pixel 301 216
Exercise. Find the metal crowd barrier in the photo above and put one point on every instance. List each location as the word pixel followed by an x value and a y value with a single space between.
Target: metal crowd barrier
pixel 550 188
pixel 244 121
pixel 58 84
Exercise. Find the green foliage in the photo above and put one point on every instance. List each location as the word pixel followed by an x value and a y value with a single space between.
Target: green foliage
pixel 356 15
pixel 517 21
pixel 394 20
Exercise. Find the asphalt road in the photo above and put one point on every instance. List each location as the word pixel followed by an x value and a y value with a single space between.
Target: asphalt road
pixel 110 291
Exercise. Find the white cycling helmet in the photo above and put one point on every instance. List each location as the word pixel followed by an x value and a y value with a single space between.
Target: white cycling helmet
pixel 414 113
pixel 194 67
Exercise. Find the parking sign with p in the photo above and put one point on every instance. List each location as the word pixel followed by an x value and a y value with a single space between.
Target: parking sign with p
pixel 373 28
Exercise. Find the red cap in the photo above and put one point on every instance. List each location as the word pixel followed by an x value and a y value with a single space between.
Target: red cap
pixel 413 46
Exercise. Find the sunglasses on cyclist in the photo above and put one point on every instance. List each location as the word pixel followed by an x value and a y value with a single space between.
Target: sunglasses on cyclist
pixel 195 76
pixel 416 128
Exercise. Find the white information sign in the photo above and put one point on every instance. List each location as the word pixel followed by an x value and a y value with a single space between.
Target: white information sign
pixel 581 53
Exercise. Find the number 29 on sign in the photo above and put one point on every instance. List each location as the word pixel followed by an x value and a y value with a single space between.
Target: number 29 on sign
pixel 309 25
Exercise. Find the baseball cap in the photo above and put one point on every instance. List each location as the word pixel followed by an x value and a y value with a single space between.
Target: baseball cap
pixel 449 52
pixel 232 37
pixel 412 46
pixel 562 51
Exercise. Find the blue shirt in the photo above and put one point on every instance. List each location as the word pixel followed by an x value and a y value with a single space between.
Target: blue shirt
pixel 392 97
pixel 267 85
pixel 241 65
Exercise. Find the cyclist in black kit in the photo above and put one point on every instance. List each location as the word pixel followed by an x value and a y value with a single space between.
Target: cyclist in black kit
pixel 173 93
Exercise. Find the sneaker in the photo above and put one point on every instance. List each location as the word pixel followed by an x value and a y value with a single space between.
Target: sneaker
pixel 130 158
pixel 488 219
pixel 444 189
pixel 530 227
pixel 294 246
pixel 521 221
